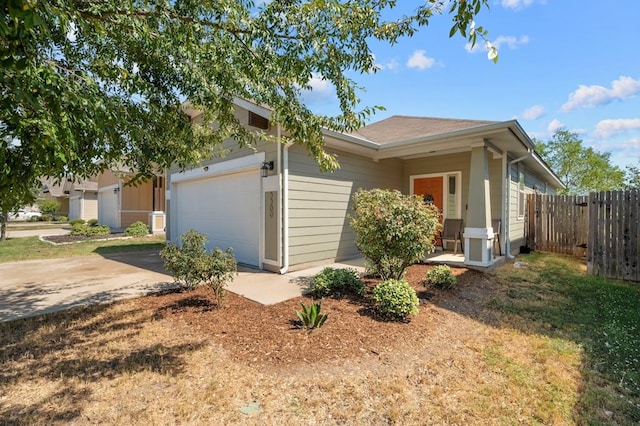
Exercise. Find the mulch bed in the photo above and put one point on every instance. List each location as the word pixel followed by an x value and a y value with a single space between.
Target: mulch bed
pixel 271 336
pixel 60 239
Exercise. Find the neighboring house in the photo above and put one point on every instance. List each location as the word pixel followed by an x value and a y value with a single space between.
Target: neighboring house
pixel 297 216
pixel 120 205
pixel 78 199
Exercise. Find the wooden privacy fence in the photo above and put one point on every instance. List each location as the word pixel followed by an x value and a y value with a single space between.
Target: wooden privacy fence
pixel 558 223
pixel 601 227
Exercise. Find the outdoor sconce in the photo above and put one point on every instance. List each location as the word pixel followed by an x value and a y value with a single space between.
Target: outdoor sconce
pixel 266 166
pixel 116 190
pixel 205 168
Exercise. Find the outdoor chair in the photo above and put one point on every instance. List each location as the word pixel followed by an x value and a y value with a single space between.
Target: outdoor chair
pixel 496 224
pixel 452 231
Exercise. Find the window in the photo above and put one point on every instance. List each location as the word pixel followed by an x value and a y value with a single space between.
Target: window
pixel 258 121
pixel 522 196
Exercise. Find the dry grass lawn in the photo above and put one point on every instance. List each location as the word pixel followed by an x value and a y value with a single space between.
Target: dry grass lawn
pixel 483 353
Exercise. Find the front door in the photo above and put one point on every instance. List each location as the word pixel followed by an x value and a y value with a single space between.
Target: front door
pixel 431 189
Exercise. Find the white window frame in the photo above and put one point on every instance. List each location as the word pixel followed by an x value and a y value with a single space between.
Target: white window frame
pixel 445 190
pixel 522 191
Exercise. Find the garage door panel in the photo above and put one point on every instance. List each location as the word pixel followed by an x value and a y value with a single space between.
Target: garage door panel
pixel 226 209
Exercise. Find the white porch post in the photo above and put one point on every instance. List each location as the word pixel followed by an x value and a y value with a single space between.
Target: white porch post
pixel 478 232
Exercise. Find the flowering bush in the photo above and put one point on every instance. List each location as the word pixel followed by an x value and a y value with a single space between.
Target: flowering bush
pixel 393 230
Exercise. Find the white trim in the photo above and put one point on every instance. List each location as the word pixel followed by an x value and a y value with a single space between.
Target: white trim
pixel 521 192
pixel 485 235
pixel 445 190
pixel 109 188
pixel 218 169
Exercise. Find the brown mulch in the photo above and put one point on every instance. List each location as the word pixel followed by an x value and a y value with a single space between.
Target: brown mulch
pixel 271 337
pixel 59 239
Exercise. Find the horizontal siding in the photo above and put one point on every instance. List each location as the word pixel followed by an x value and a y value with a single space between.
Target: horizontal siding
pixel 320 203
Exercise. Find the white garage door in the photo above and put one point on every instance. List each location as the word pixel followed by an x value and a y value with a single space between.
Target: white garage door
pixel 226 209
pixel 74 208
pixel 108 208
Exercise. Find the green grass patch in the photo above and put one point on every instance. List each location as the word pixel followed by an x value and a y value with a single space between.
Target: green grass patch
pixel 554 296
pixel 31 248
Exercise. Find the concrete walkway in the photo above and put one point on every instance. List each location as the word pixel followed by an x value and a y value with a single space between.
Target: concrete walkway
pixel 38 287
pixel 36 232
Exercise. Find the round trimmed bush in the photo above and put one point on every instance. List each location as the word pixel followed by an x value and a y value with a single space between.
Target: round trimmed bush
pixel 76 221
pixel 92 222
pixel 61 218
pixel 90 231
pixel 337 282
pixel 137 229
pixel 396 299
pixel 441 276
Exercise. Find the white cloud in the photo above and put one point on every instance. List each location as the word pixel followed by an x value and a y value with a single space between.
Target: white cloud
pixel 391 65
pixel 554 125
pixel 512 42
pixel 533 113
pixel 612 127
pixel 321 90
pixel 516 4
pixel 420 61
pixel 592 96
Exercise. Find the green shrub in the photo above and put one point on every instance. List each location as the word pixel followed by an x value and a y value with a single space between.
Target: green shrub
pixel 137 229
pixel 76 222
pixel 90 231
pixel 441 276
pixel 35 219
pixel 396 299
pixel 61 218
pixel 393 230
pixel 92 222
pixel 337 282
pixel 311 317
pixel 45 217
pixel 191 265
pixel 48 207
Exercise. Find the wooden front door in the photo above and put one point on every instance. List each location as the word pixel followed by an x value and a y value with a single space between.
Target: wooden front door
pixel 430 186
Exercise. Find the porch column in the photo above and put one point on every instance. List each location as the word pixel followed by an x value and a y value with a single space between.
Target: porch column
pixel 478 232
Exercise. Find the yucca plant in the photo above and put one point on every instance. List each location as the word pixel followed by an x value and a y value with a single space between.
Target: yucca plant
pixel 311 317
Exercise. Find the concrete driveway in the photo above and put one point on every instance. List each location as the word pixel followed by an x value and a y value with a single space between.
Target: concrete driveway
pixel 37 287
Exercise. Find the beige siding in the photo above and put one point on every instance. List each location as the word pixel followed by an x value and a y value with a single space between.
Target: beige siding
pixel 319 203
pixel 107 178
pixel 127 218
pixel 90 208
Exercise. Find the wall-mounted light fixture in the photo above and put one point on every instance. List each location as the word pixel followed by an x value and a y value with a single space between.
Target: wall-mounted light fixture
pixel 205 168
pixel 266 166
pixel 116 190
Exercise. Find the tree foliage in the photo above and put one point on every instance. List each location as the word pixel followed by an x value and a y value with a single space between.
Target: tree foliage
pixel 105 80
pixel 393 230
pixel 632 177
pixel 582 169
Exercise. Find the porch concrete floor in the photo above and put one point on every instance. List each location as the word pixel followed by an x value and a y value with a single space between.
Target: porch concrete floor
pixel 440 257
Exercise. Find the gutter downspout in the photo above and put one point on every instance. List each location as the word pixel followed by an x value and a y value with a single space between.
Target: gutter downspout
pixel 508 216
pixel 284 247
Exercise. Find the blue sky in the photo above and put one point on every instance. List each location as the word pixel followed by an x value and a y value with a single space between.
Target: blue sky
pixel 562 63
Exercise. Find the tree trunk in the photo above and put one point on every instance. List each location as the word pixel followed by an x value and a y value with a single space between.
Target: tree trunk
pixel 3 225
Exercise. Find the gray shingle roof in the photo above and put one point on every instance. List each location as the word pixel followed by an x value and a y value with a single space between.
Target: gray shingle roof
pixel 400 127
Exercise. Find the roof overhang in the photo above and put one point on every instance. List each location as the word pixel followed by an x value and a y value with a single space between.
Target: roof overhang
pixel 502 138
